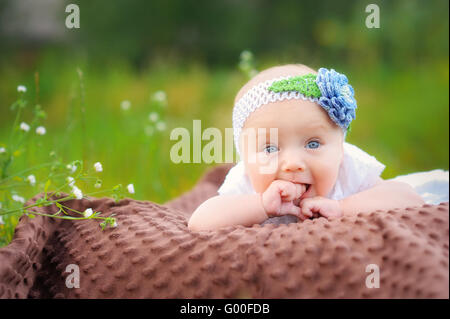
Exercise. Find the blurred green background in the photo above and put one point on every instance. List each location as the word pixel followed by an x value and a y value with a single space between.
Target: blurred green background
pixel 128 50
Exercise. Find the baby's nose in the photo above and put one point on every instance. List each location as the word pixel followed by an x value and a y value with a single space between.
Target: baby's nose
pixel 293 163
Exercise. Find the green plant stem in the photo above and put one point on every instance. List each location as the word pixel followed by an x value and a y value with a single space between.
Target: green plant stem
pixel 40 204
pixel 80 170
pixel 53 201
pixel 3 180
pixel 83 113
pixel 74 210
pixel 67 217
pixel 16 120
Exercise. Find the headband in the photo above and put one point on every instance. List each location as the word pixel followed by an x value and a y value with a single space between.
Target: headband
pixel 328 88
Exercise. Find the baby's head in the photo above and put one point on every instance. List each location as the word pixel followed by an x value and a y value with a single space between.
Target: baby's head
pixel 307 146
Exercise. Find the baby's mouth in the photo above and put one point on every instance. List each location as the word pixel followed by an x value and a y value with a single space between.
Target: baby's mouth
pixel 297 201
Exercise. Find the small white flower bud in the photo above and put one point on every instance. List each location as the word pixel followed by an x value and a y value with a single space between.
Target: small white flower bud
pixel 71 181
pixel 88 212
pixel 24 126
pixel 77 192
pixel 160 96
pixel 18 198
pixel 72 168
pixel 125 105
pixel 161 126
pixel 32 179
pixel 98 167
pixel 40 130
pixel 153 116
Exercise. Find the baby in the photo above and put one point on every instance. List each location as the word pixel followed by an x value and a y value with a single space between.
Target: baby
pixel 290 124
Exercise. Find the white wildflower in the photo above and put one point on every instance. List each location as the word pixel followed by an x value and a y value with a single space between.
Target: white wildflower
pixel 161 126
pixel 98 167
pixel 18 198
pixel 246 55
pixel 125 105
pixel 1 221
pixel 21 88
pixel 160 96
pixel 32 179
pixel 153 116
pixel 88 212
pixel 77 192
pixel 40 130
pixel 72 168
pixel 71 181
pixel 114 225
pixel 2 150
pixel 130 188
pixel 24 126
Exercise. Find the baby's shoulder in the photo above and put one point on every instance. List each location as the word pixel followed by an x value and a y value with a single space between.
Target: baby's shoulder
pixel 236 182
pixel 354 156
pixel 358 171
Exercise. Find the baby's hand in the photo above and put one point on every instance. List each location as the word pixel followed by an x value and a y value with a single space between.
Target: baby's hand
pixel 319 205
pixel 279 196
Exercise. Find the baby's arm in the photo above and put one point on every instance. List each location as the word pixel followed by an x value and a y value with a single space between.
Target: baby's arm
pixel 247 210
pixel 383 195
pixel 226 210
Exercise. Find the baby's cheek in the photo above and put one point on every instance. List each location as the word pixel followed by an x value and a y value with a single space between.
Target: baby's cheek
pixel 325 180
pixel 260 182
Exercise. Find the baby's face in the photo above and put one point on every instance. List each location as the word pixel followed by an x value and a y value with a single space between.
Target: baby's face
pixel 308 148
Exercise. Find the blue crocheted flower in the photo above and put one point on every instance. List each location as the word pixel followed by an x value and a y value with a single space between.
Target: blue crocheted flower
pixel 337 96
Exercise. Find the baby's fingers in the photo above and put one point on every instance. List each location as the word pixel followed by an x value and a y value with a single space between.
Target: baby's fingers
pixel 302 217
pixel 307 207
pixel 288 208
pixel 288 190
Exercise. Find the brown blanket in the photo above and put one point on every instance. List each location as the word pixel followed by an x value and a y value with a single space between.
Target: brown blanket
pixel 152 254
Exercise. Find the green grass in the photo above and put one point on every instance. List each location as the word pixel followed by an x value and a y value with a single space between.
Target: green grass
pixel 402 119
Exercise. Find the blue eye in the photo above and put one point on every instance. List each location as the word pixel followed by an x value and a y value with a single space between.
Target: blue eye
pixel 270 149
pixel 313 144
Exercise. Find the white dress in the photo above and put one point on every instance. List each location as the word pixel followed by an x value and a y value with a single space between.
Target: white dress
pixel 358 171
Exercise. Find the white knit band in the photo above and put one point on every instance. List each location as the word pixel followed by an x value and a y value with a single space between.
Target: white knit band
pixel 256 97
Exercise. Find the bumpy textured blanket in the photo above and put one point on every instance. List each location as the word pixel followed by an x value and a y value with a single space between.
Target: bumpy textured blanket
pixel 151 254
